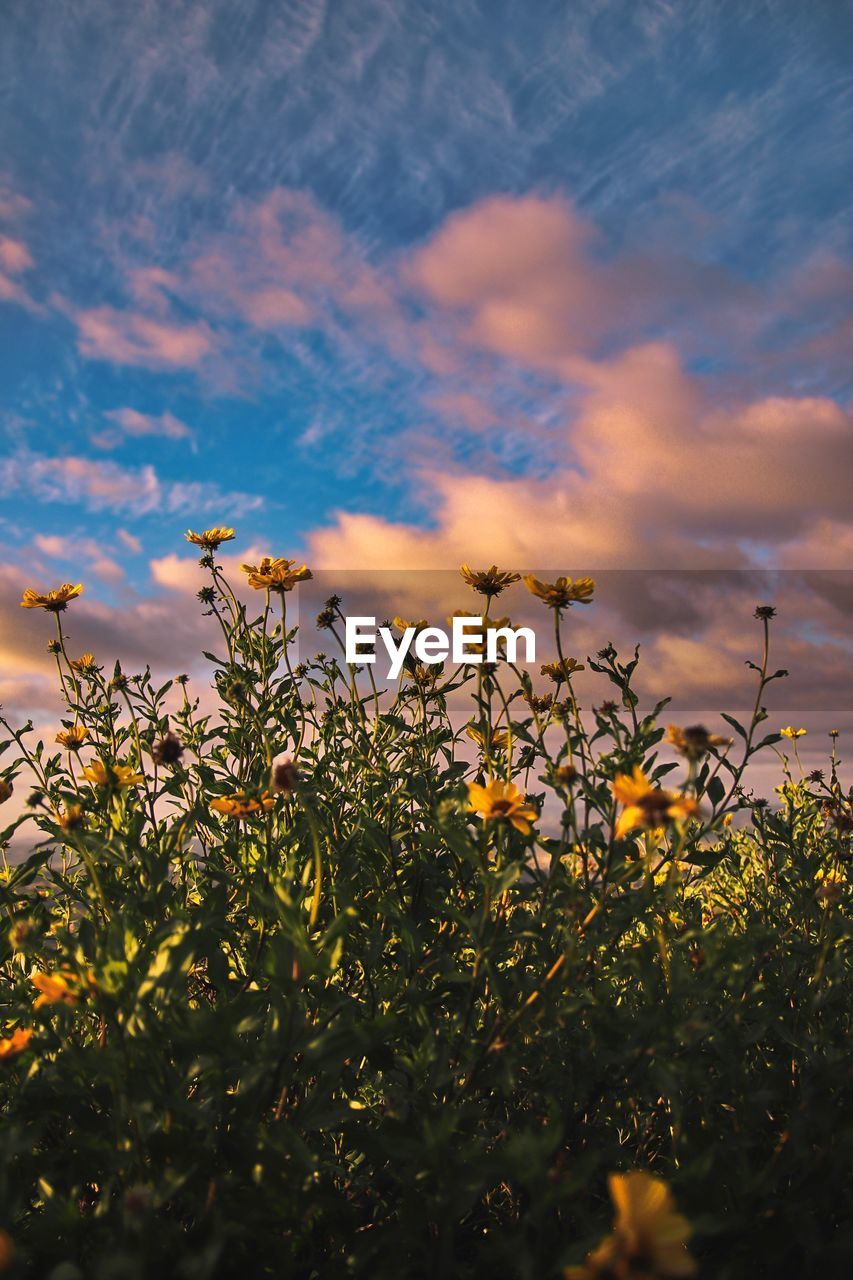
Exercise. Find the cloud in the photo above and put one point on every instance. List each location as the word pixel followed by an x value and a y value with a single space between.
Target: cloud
pixel 15 260
pixel 659 475
pixel 136 425
pixel 76 550
pixel 105 486
pixel 134 338
pixel 129 541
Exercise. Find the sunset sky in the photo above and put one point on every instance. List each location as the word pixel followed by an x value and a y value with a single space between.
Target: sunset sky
pixel 389 284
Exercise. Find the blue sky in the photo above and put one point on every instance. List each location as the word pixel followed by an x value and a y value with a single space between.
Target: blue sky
pixel 399 285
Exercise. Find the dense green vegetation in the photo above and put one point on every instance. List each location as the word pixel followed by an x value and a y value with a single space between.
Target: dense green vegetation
pixel 314 982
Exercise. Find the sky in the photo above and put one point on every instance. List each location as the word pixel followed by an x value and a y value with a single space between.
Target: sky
pixel 395 285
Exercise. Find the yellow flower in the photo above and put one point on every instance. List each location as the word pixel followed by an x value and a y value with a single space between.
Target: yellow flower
pixel 61 987
pixel 560 671
pixel 239 805
pixel 15 1043
pixel 649 1240
pixel 84 663
pixel 73 738
pixel 488 582
pixel 563 592
pixel 53 601
pixel 647 806
pixel 499 738
pixel 790 732
pixel 71 818
pixel 473 646
pixel 116 775
pixel 694 741
pixel 210 539
pixel 275 575
pixel 5 790
pixel 403 625
pixel 501 802
pixel 830 888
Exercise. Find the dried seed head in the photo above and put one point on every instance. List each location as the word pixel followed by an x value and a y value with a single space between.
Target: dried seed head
pixel 285 777
pixel 168 750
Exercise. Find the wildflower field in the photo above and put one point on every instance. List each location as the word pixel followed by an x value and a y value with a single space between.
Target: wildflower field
pixel 313 978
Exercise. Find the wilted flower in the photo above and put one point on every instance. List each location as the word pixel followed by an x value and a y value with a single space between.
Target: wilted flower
pixel 240 805
pixel 275 575
pixel 499 738
pixel 72 739
pixel 565 775
pixel 647 806
pixel 562 593
pixel 764 612
pixel 54 601
pixel 168 749
pixel 285 776
pixel 560 671
pixel 488 582
pixel 209 539
pixel 499 801
pixel 649 1240
pixel 114 775
pixel 326 618
pixel 694 741
pixel 540 703
pixel 16 1043
pixel 841 819
pixel 790 732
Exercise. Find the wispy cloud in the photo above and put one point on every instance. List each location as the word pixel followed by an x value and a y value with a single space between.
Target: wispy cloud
pixel 106 486
pixel 135 425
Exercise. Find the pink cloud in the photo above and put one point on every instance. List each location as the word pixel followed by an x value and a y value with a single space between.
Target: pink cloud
pixel 135 424
pixel 655 474
pixel 130 337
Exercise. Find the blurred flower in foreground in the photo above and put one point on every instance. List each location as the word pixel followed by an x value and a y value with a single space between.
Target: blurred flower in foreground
pixel 239 805
pixel 54 601
pixel 501 801
pixel 563 592
pixel 71 818
pixel 830 888
pixel 168 749
pixel 210 539
pixel 5 790
pixel 647 806
pixel 694 741
pixel 488 582
pixel 61 987
pixel 285 776
pixel 649 1240
pixel 14 1044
